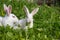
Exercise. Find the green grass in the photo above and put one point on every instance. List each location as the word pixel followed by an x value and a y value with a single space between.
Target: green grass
pixel 46 22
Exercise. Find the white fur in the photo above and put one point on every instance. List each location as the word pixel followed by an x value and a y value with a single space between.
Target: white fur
pixel 22 23
pixel 1 21
pixel 9 19
pixel 28 19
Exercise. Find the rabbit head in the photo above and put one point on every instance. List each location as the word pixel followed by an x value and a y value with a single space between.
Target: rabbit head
pixel 30 15
pixel 8 11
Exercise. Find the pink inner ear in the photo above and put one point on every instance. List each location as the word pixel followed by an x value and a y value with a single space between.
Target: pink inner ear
pixel 7 11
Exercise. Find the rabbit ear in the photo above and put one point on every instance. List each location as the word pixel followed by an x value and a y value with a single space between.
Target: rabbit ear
pixel 5 7
pixel 35 11
pixel 10 8
pixel 26 10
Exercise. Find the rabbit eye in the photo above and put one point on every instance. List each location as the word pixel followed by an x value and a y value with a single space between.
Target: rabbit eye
pixel 13 16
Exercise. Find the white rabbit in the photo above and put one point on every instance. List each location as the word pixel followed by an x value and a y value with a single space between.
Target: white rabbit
pixel 9 19
pixel 1 21
pixel 28 19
